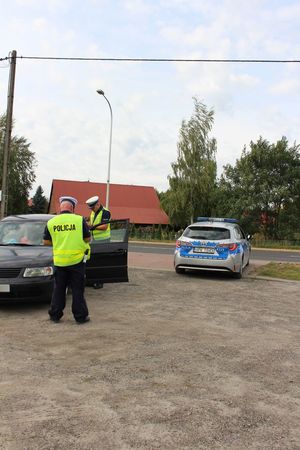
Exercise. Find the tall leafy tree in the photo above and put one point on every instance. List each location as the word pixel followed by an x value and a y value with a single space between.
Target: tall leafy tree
pixel 263 187
pixel 39 202
pixel 192 183
pixel 21 174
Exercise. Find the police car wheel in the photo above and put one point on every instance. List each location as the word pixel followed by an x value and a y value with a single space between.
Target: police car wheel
pixel 238 275
pixel 179 270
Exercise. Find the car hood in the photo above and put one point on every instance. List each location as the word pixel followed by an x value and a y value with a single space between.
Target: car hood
pixel 15 256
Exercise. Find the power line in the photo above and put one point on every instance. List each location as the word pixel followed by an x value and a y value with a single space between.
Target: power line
pixel 195 60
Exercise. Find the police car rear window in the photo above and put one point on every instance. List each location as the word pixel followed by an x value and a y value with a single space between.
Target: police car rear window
pixel 207 233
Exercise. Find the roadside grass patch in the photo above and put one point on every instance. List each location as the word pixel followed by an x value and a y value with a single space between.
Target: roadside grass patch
pixel 287 271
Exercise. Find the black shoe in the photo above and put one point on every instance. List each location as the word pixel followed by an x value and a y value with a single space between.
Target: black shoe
pixel 85 320
pixel 54 319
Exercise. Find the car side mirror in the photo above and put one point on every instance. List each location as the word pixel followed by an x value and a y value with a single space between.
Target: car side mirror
pixel 249 237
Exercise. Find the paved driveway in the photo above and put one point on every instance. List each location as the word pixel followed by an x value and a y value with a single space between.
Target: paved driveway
pixel 167 362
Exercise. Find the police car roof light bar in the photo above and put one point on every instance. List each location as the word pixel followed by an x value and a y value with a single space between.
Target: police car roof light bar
pixel 216 219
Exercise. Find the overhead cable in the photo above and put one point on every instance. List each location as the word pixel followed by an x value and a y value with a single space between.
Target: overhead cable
pixel 195 60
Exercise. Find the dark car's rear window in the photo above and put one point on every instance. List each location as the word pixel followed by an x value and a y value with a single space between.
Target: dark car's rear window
pixel 207 233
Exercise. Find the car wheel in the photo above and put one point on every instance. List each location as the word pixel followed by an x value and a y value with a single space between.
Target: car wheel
pixel 238 275
pixel 179 270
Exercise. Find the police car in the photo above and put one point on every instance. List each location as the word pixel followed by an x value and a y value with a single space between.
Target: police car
pixel 217 244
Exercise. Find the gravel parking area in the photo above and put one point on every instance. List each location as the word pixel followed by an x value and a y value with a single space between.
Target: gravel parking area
pixel 167 362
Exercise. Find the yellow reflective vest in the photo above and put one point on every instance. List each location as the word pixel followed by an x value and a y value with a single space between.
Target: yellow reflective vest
pixel 99 234
pixel 69 247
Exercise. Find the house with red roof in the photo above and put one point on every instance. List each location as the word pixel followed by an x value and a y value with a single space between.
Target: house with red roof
pixel 139 204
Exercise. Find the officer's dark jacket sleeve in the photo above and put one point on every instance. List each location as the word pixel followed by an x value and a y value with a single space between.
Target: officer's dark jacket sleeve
pixel 105 216
pixel 85 229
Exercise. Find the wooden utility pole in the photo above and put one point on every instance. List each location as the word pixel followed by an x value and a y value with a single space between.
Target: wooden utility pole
pixel 8 128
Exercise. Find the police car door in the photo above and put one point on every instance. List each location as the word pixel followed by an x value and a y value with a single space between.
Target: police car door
pixel 108 262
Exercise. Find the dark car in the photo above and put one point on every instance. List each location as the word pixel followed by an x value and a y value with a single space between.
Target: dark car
pixel 26 265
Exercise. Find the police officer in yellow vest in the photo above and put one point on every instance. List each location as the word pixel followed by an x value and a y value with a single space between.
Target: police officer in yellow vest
pixel 99 221
pixel 69 235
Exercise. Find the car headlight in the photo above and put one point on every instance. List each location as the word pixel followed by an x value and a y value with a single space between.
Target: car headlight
pixel 38 272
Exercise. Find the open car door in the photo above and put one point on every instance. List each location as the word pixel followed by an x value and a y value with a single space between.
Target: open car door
pixel 108 262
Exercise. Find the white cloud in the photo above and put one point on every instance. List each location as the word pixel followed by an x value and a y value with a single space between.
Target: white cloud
pixel 138 6
pixel 286 87
pixel 289 13
pixel 39 23
pixel 243 80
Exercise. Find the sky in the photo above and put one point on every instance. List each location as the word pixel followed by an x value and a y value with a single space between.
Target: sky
pixel 57 108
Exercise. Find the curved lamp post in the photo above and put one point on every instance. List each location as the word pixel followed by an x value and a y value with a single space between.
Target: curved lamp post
pixel 100 92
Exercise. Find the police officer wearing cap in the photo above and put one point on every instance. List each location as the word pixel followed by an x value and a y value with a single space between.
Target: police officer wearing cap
pixel 99 220
pixel 69 235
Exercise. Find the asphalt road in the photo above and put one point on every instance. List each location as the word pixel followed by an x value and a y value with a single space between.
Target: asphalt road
pixel 257 254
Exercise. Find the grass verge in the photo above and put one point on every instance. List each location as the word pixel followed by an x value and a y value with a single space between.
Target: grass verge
pixel 286 271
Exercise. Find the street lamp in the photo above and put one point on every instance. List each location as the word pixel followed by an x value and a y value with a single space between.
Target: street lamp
pixel 100 92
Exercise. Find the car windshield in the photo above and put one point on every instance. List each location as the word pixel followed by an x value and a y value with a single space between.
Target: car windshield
pixel 207 233
pixel 21 233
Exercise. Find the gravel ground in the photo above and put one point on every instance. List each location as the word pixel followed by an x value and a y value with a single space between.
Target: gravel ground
pixel 167 362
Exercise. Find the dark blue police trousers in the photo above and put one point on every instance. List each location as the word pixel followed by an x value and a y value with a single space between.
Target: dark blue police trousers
pixel 73 277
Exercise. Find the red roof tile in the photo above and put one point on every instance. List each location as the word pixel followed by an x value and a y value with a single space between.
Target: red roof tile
pixel 140 204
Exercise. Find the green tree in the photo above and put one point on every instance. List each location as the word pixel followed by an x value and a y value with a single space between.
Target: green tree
pixel 39 202
pixel 132 230
pixel 158 234
pixel 263 187
pixel 21 173
pixel 193 180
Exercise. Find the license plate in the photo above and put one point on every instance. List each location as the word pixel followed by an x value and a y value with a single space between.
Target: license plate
pixel 203 250
pixel 4 288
